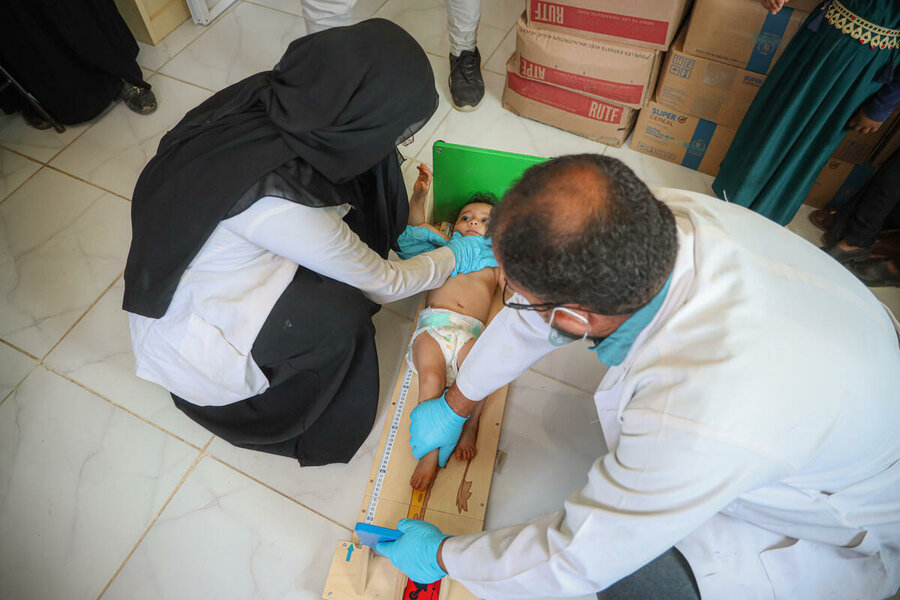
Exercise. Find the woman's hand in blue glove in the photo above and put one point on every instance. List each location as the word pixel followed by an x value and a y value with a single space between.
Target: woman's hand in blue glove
pixel 415 552
pixel 472 252
pixel 415 240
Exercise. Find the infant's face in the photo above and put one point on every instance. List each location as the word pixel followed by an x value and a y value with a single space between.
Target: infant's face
pixel 473 219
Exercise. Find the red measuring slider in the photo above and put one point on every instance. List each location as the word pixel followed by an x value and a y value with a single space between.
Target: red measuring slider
pixel 421 591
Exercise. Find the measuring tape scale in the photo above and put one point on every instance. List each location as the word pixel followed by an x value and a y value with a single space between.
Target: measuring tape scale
pixel 388 447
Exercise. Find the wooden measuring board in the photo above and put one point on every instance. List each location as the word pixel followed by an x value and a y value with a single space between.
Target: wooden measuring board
pixel 456 502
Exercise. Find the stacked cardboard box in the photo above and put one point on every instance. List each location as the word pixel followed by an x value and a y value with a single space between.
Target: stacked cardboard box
pixel 710 78
pixel 646 23
pixel 889 144
pixel 681 138
pixel 587 66
pixel 853 163
pixel 860 148
pixel 705 88
pixel 838 182
pixel 741 33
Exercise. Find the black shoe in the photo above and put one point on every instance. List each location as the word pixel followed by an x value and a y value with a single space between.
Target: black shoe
pixel 845 257
pixel 34 118
pixel 140 99
pixel 466 84
pixel 875 273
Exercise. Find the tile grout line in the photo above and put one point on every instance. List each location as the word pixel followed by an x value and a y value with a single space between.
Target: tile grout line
pixel 82 180
pixel 27 179
pixel 78 320
pixel 282 11
pixel 16 387
pixel 22 154
pixel 103 397
pixel 25 352
pixel 497 49
pixel 200 456
pixel 119 406
pixel 190 83
pixel 277 491
pixel 206 29
pixel 561 381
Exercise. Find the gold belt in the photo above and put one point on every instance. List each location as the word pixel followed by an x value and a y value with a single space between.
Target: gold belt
pixel 879 38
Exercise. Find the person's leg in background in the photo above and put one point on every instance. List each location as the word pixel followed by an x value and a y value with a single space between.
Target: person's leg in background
pixel 857 224
pixel 668 576
pixel 325 14
pixel 466 83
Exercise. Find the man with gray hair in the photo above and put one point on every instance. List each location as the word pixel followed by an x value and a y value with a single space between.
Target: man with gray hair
pixel 750 405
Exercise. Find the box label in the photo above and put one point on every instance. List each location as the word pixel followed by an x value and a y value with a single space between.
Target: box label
pixel 585 19
pixel 682 66
pixel 565 100
pixel 769 40
pixel 696 149
pixel 617 92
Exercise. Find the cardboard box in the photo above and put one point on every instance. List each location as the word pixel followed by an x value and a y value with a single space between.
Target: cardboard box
pixel 681 138
pixel 741 33
pixel 645 23
pixel 889 144
pixel 859 148
pixel 614 72
pixel 705 88
pixel 837 183
pixel 589 117
pixel 805 5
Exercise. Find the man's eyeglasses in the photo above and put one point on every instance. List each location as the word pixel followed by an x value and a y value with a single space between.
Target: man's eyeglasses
pixel 524 306
pixel 543 306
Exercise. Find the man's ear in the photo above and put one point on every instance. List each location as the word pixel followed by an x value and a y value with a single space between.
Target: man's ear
pixel 572 323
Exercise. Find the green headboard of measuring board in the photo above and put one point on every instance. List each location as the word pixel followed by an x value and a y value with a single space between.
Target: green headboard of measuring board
pixel 461 171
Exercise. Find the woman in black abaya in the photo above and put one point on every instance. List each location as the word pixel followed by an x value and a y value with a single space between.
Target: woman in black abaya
pixel 73 57
pixel 261 233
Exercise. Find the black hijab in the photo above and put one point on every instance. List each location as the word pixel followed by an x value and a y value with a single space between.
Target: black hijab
pixel 319 129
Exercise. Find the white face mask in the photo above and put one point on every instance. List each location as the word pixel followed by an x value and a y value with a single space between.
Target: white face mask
pixel 558 338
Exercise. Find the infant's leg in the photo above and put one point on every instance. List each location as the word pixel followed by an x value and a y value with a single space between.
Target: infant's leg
pixel 465 449
pixel 429 361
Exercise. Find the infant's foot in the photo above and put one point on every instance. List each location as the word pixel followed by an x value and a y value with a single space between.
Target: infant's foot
pixel 423 474
pixel 465 448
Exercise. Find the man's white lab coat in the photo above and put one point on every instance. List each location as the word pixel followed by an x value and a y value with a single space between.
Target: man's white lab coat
pixel 754 425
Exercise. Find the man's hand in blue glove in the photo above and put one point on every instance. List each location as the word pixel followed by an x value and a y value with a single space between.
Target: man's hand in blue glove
pixel 415 552
pixel 433 424
pixel 415 240
pixel 472 252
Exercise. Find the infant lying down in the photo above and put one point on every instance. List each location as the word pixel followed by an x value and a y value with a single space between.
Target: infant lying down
pixel 452 320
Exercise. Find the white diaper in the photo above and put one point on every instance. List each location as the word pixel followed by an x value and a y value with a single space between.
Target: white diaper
pixel 451 331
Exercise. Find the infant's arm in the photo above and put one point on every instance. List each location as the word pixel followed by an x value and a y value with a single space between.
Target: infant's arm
pixel 420 193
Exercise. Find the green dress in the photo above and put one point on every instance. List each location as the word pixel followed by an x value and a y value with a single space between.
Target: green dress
pixel 799 116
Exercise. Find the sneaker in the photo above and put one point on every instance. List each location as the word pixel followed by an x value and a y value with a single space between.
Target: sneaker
pixel 466 84
pixel 140 99
pixel 875 273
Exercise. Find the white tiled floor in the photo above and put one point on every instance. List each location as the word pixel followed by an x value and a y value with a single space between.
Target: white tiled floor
pixel 107 490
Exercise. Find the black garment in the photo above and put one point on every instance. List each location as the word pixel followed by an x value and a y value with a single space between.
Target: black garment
pixel 72 56
pixel 667 576
pixel 317 348
pixel 876 207
pixel 338 101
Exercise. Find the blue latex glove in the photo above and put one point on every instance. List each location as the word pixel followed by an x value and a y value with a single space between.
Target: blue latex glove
pixel 433 424
pixel 415 552
pixel 416 240
pixel 472 252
